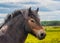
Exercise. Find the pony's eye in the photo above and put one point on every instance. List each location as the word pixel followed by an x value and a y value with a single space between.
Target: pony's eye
pixel 32 21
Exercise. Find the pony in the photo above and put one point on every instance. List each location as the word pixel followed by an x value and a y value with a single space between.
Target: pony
pixel 18 24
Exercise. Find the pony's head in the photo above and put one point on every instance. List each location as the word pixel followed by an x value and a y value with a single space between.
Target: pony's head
pixel 33 24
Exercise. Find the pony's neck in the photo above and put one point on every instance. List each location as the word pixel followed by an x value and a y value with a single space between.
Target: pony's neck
pixel 17 32
pixel 17 36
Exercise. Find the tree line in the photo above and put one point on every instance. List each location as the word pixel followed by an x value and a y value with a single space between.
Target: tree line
pixel 50 23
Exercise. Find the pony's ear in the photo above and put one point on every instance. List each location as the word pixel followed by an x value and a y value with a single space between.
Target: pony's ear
pixel 26 13
pixel 37 9
pixel 29 10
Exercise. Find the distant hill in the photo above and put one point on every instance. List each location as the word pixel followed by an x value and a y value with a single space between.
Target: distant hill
pixel 50 23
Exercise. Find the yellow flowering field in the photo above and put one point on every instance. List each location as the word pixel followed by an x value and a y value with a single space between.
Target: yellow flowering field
pixel 53 36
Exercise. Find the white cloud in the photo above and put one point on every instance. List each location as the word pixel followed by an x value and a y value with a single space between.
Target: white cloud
pixel 50 4
pixel 14 1
pixel 1 21
pixel 3 18
pixel 3 1
pixel 54 6
pixel 3 15
pixel 54 15
pixel 49 13
pixel 3 8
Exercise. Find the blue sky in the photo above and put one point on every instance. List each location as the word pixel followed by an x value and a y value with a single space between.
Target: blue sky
pixel 48 9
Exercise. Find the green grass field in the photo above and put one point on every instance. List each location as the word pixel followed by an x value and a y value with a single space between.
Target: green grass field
pixel 53 36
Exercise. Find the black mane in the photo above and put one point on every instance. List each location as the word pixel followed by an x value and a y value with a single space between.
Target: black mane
pixel 10 16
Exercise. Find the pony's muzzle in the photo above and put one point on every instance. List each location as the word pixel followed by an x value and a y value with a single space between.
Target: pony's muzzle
pixel 41 36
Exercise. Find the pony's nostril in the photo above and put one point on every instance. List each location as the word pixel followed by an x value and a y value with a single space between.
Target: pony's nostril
pixel 43 34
